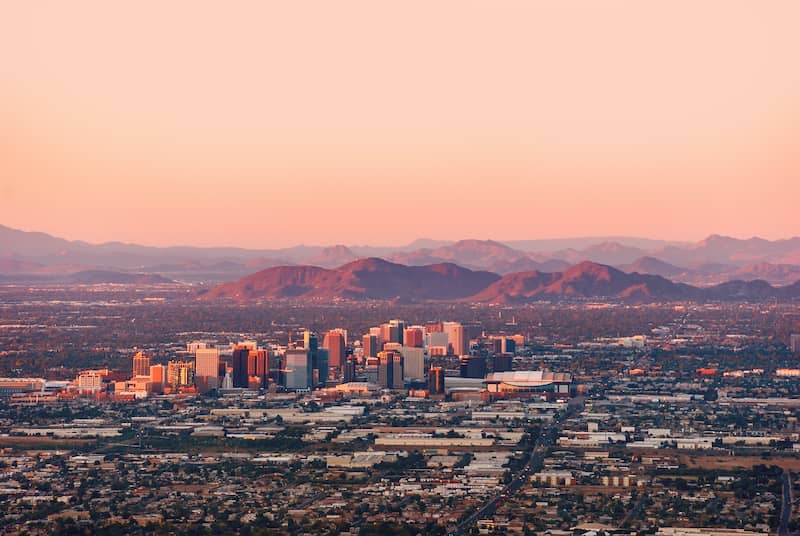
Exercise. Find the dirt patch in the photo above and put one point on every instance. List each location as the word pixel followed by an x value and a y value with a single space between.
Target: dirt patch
pixel 735 462
pixel 43 442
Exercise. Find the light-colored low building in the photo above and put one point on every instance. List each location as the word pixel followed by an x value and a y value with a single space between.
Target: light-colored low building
pixel 697 531
pixel 554 478
pixel 519 381
pixel 67 432
pixel 426 440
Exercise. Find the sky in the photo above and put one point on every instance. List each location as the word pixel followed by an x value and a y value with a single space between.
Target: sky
pixel 267 124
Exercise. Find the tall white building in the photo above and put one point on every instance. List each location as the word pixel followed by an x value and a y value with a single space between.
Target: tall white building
pixel 89 380
pixel 456 337
pixel 297 369
pixel 436 338
pixel 413 363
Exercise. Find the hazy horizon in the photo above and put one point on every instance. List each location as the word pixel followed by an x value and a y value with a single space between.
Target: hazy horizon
pixel 359 123
pixel 400 244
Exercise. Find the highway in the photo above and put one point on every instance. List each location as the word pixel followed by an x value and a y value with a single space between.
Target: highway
pixel 546 438
pixel 786 506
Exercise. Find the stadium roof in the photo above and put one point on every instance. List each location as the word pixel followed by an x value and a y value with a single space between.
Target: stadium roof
pixel 531 377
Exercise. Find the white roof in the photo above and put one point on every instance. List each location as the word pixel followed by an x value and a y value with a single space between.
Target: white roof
pixel 529 376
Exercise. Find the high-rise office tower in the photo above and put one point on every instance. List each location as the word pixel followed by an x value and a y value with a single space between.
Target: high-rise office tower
pixel 297 369
pixel 392 331
pixel 436 380
pixel 320 366
pixel 241 361
pixel 396 329
pixel 275 366
pixel 456 338
pixel 320 357
pixel 413 363
pixel 222 370
pixel 258 367
pixel 413 337
pixel 473 366
pixel 310 341
pixel 385 334
pixel 141 364
pixel 206 370
pixel 349 373
pixel 371 365
pixel 158 375
pixel 335 343
pixel 369 344
pixel 390 370
pixel 180 373
pixel 437 339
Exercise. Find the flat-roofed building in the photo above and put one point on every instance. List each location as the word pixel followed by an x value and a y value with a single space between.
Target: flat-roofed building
pixel 90 380
pixel 336 343
pixel 436 380
pixel 180 373
pixel 413 363
pixel 12 386
pixel 206 369
pixel 297 369
pixel 141 364
pixel 158 376
pixel 528 381
pixel 369 345
pixel 413 337
pixel 390 370
pixel 456 338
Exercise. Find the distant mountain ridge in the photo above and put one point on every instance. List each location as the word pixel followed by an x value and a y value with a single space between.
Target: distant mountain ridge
pixel 89 277
pixel 364 279
pixel 333 256
pixel 652 266
pixel 711 261
pixel 584 280
pixel 377 279
pixel 474 254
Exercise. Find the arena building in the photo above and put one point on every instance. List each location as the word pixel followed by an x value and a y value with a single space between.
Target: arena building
pixel 528 381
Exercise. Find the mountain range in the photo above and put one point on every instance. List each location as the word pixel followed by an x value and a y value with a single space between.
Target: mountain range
pixel 33 256
pixel 378 279
pixel 369 278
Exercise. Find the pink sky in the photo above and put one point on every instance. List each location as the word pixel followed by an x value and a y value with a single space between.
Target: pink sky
pixel 275 123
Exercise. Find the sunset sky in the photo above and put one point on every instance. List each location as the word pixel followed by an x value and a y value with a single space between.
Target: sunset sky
pixel 266 124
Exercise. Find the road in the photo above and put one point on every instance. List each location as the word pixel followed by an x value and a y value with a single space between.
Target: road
pixel 547 437
pixel 635 512
pixel 786 507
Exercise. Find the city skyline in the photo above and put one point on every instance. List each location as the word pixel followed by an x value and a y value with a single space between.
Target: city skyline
pixel 357 268
pixel 270 126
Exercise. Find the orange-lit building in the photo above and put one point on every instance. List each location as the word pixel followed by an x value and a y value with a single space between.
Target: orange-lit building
pixel 335 343
pixel 141 364
pixel 413 337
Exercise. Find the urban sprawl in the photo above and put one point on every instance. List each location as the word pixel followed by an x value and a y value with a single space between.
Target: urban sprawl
pixel 687 426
